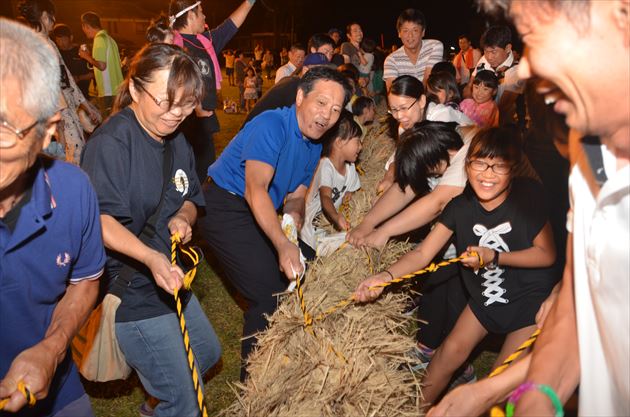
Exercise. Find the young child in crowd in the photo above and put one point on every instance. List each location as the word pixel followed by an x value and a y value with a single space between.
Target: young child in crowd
pixel 481 108
pixel 501 218
pixel 365 70
pixel 444 98
pixel 364 111
pixel 251 92
pixel 334 181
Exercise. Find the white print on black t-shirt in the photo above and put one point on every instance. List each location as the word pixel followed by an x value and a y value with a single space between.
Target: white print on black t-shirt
pixel 181 182
pixel 204 68
pixel 491 238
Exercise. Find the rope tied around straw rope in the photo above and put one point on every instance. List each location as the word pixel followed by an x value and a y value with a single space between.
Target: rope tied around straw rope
pixel 188 278
pixel 21 387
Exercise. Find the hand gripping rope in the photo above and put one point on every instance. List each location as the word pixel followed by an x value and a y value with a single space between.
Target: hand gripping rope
pixel 30 398
pixel 431 268
pixel 188 278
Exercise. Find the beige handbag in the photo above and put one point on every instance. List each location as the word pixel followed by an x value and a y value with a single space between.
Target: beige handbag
pixel 95 348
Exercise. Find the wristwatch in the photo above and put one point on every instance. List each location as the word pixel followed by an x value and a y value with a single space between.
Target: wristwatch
pixel 492 265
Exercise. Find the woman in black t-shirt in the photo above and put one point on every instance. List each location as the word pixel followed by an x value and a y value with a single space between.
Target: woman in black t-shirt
pixel 503 221
pixel 126 160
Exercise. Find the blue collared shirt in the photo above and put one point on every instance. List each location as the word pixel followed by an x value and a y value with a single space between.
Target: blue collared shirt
pixel 274 138
pixel 56 242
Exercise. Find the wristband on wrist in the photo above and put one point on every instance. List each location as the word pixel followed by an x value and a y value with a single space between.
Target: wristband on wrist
pixel 528 386
pixel 390 274
pixel 251 2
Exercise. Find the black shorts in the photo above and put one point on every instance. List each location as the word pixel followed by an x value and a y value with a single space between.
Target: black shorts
pixel 229 71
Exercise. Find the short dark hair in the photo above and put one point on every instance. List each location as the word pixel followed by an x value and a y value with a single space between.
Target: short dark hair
pixel 318 40
pixel 443 80
pixel 444 66
pixel 497 142
pixel 350 71
pixel 31 11
pixel 183 73
pixel 91 19
pixel 421 149
pixel 345 129
pixel 413 16
pixel 407 85
pixel 61 29
pixel 158 29
pixel 486 78
pixel 360 104
pixel 297 47
pixel 323 73
pixel 464 36
pixel 496 36
pixel 176 6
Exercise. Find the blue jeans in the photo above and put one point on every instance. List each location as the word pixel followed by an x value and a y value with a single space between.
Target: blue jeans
pixel 155 349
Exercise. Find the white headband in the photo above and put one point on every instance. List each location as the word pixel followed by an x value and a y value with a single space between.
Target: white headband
pixel 172 19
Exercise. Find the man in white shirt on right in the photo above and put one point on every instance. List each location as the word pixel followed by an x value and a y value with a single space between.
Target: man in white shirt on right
pixel 580 50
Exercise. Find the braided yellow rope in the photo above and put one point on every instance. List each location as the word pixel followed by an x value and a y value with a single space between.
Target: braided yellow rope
pixel 431 268
pixel 30 398
pixel 497 411
pixel 175 240
pixel 523 347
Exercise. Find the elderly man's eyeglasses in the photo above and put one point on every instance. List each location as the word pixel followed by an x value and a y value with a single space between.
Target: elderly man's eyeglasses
pixel 402 109
pixel 165 104
pixel 480 166
pixel 9 134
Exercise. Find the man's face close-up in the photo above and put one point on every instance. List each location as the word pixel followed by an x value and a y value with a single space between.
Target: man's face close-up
pixel 319 110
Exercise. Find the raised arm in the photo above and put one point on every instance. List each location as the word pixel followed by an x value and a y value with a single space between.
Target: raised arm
pixel 239 15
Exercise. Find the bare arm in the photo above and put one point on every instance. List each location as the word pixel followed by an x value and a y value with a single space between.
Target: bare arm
pixel 295 205
pixel 183 220
pixel 117 238
pixel 36 365
pixel 555 359
pixel 421 212
pixel 392 201
pixel 475 399
pixel 258 176
pixel 238 16
pixel 328 207
pixel 86 55
pixel 418 258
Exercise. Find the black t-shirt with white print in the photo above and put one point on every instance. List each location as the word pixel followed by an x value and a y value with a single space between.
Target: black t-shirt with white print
pixel 507 297
pixel 125 166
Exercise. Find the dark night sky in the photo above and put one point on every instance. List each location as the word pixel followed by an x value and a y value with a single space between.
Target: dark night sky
pixel 446 19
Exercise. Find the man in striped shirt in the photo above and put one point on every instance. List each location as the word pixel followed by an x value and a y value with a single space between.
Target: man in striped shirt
pixel 417 56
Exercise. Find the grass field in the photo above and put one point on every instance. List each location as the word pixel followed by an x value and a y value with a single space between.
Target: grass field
pixel 122 398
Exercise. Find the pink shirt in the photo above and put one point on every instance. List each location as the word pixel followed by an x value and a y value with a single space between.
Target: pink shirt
pixel 484 114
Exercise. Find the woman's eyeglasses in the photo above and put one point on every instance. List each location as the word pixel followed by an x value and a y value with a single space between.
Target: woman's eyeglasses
pixel 393 111
pixel 165 104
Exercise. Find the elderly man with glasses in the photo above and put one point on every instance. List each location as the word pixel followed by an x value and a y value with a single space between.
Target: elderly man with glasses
pixel 51 250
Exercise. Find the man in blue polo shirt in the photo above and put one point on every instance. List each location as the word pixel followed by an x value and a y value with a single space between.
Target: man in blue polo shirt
pixel 267 166
pixel 51 250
